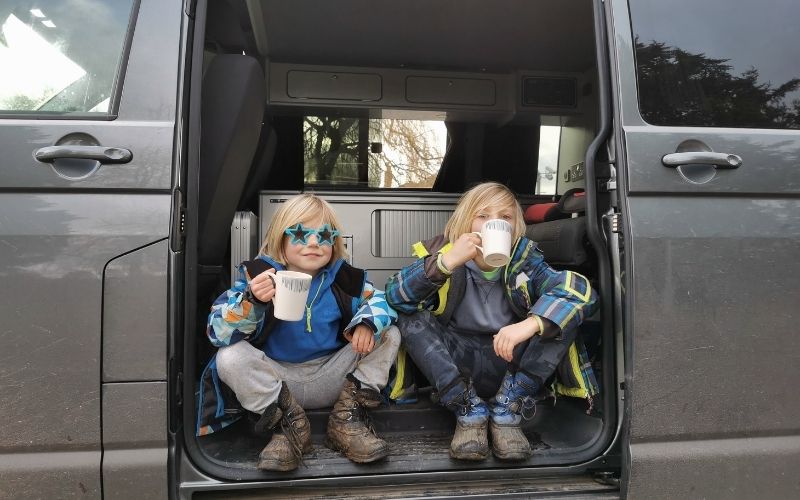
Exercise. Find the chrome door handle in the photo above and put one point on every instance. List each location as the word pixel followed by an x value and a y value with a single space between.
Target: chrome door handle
pixel 50 154
pixel 719 160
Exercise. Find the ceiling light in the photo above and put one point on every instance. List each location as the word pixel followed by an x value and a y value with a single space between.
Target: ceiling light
pixel 37 13
pixel 48 23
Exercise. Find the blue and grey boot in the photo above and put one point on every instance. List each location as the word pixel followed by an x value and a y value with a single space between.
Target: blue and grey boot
pixel 470 441
pixel 512 403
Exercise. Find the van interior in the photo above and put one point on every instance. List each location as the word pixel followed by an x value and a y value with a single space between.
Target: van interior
pixel 391 110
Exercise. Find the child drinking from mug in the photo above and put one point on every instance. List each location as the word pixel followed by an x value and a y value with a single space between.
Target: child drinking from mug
pixel 278 368
pixel 479 332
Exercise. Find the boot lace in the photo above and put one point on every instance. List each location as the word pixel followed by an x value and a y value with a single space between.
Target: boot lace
pixel 356 412
pixel 517 403
pixel 463 406
pixel 292 435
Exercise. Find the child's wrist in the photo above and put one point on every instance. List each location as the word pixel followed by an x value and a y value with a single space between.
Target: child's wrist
pixel 443 267
pixel 250 297
pixel 536 324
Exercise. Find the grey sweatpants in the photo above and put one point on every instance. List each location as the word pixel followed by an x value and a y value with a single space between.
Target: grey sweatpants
pixel 256 379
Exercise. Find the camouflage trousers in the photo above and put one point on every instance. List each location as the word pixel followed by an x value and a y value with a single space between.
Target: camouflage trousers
pixel 444 355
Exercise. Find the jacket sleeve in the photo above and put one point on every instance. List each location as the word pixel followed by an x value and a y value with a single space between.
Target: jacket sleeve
pixel 234 316
pixel 565 298
pixel 415 287
pixel 373 310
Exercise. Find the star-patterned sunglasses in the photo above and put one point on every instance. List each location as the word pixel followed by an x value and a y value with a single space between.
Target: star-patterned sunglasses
pixel 299 234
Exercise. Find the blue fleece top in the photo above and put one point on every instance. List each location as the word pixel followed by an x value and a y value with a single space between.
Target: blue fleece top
pixel 290 341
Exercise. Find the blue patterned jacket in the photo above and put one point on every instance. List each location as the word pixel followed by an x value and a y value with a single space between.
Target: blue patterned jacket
pixel 237 317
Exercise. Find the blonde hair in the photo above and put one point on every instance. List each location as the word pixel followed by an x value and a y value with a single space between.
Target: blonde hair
pixel 480 197
pixel 303 208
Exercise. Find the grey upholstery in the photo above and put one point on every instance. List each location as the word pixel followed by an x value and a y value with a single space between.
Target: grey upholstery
pixel 233 101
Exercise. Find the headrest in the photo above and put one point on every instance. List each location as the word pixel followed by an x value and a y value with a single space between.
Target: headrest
pixel 223 27
pixel 542 212
pixel 571 202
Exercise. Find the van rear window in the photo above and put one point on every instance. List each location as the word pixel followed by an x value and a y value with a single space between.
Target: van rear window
pixel 713 64
pixel 374 153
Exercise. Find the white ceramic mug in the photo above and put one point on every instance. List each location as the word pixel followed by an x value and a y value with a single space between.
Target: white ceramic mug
pixel 496 242
pixel 291 294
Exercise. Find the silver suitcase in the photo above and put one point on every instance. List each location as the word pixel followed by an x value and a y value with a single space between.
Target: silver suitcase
pixel 244 239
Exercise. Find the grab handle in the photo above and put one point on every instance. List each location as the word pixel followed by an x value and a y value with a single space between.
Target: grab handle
pixel 719 160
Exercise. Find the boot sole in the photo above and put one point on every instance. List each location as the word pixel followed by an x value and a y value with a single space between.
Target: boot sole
pixel 516 455
pixel 282 466
pixel 473 457
pixel 275 465
pixel 512 456
pixel 361 459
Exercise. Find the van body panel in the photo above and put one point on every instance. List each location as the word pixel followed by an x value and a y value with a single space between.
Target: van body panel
pixel 135 449
pixel 135 312
pixel 768 157
pixel 58 238
pixel 724 337
pixel 50 474
pixel 712 270
pixel 748 463
pixel 55 248
pixel 149 169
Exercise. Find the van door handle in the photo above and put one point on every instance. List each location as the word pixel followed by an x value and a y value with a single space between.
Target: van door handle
pixel 102 154
pixel 719 160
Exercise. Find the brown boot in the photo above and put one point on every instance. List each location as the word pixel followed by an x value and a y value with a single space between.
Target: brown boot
pixel 509 442
pixel 349 430
pixel 470 441
pixel 510 406
pixel 285 450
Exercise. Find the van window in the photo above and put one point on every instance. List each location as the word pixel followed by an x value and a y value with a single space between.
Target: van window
pixel 61 57
pixel 375 153
pixel 710 64
pixel 547 171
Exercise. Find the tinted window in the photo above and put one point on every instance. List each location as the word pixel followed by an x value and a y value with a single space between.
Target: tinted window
pixel 377 153
pixel 60 56
pixel 717 63
pixel 547 171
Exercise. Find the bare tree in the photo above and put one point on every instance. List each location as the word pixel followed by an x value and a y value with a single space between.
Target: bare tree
pixel 336 149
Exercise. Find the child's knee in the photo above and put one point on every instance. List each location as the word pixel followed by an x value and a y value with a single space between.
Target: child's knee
pixel 229 358
pixel 391 336
pixel 410 325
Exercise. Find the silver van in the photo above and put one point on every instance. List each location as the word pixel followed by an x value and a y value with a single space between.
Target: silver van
pixel 655 145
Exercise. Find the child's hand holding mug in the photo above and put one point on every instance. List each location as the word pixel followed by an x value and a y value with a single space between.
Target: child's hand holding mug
pixel 465 248
pixel 263 286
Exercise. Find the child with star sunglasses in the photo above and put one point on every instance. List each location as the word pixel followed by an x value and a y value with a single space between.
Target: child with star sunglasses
pixel 278 368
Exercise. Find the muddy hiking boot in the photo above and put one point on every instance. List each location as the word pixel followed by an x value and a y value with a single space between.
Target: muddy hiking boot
pixel 470 441
pixel 350 430
pixel 291 437
pixel 512 403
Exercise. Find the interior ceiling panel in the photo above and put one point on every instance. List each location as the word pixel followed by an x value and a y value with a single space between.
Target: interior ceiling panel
pixel 495 35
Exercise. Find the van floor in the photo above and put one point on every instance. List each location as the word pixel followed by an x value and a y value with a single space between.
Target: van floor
pixel 419 438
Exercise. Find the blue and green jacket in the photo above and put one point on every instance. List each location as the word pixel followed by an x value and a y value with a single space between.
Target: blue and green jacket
pixel 236 316
pixel 563 298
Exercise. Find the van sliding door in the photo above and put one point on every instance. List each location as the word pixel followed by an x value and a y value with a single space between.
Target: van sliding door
pixel 707 129
pixel 87 114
